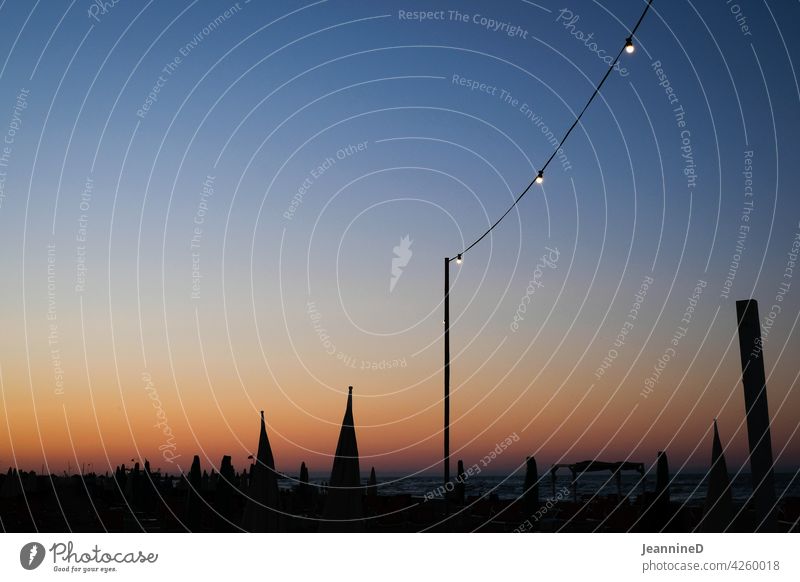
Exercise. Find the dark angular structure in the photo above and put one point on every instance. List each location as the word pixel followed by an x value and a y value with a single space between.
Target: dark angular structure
pixel 718 510
pixel 662 476
pixel 661 505
pixel 372 484
pixel 225 495
pixel 344 507
pixel 757 411
pixel 261 511
pixel 530 494
pixel 460 489
pixel 194 503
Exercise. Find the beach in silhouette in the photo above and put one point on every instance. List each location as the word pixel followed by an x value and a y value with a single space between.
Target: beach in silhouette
pixel 584 496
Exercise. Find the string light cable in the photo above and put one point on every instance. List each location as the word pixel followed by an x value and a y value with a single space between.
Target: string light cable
pixel 629 48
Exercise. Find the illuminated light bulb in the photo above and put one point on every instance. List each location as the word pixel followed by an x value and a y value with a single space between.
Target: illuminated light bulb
pixel 459 259
pixel 540 178
pixel 629 48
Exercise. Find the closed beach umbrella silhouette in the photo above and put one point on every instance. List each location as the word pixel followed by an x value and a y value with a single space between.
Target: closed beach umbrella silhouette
pixel 719 503
pixel 344 505
pixel 303 489
pixel 11 486
pixel 461 488
pixel 530 495
pixel 662 477
pixel 193 503
pixel 372 484
pixel 260 512
pixel 195 475
pixel 226 469
pixel 662 506
pixel 225 492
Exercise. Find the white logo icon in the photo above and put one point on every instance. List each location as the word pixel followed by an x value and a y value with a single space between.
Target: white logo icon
pixel 31 555
pixel 400 260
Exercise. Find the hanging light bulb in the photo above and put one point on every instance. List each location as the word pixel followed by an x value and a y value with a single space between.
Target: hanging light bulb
pixel 458 259
pixel 540 178
pixel 629 48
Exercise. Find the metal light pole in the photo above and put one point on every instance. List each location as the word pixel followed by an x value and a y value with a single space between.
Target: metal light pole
pixel 627 48
pixel 447 262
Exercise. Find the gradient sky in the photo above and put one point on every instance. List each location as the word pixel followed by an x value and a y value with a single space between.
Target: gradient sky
pixel 293 306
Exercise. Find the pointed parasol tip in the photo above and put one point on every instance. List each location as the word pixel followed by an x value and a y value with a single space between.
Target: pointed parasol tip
pixel 262 415
pixel 349 389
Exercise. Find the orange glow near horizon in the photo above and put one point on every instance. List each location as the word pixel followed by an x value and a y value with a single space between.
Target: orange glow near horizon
pixel 399 428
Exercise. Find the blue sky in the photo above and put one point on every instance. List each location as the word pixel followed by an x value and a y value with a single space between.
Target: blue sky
pixel 364 110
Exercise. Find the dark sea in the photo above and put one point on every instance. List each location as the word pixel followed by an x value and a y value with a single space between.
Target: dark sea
pixel 684 487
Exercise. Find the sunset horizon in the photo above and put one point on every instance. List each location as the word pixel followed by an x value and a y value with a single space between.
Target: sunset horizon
pixel 381 267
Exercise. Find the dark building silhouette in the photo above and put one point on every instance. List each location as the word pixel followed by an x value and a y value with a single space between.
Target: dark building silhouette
pixel 261 509
pixel 344 508
pixel 718 510
pixel 590 466
pixel 757 411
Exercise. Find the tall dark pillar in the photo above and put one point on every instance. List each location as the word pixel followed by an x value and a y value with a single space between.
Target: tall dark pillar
pixel 447 371
pixel 757 411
